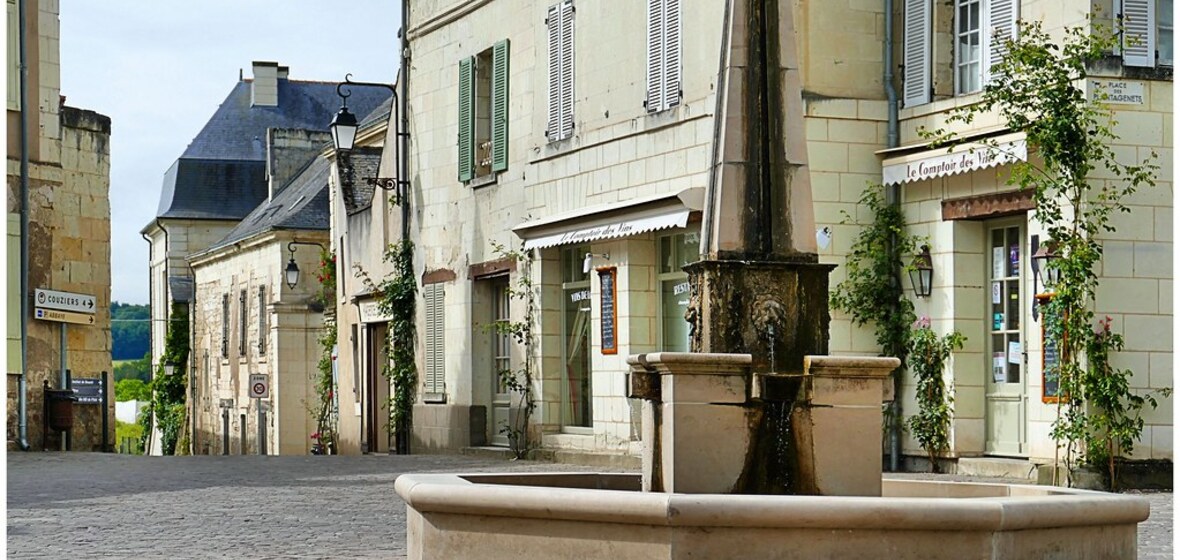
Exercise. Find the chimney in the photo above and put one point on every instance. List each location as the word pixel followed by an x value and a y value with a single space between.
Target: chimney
pixel 283 71
pixel 264 90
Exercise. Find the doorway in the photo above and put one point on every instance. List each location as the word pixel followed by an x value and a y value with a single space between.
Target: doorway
pixel 1006 389
pixel 376 407
pixel 501 361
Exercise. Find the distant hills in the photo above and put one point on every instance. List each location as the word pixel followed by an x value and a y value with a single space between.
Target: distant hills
pixel 131 330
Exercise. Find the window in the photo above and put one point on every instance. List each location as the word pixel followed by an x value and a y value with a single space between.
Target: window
pixel 978 32
pixel 501 337
pixel 560 24
pixel 675 252
pixel 576 409
pixel 225 325
pixel 968 63
pixel 483 113
pixel 14 100
pixel 1147 32
pixel 242 308
pixel 435 337
pixel 262 330
pixel 663 55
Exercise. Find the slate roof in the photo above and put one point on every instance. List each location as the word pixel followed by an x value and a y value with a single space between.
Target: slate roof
pixel 301 204
pixel 365 162
pixel 181 288
pixel 222 173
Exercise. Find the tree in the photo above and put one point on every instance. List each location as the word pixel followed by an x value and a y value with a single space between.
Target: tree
pixel 132 390
pixel 130 330
pixel 1037 89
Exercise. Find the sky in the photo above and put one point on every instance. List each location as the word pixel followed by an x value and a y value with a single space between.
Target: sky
pixel 160 68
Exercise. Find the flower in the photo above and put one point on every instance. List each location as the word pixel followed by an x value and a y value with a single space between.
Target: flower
pixel 923 322
pixel 315 435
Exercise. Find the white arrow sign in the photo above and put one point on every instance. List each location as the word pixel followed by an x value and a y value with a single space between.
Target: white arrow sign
pixel 64 301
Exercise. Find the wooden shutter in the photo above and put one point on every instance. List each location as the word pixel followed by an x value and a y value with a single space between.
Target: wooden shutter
pixel 1002 16
pixel 243 309
pixel 14 77
pixel 567 69
pixel 224 325
pixel 500 106
pixel 655 56
pixel 671 53
pixel 434 350
pixel 1138 32
pixel 916 55
pixel 262 330
pixel 466 119
pixel 553 25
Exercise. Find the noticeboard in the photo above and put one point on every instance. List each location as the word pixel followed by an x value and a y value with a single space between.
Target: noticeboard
pixel 87 390
pixel 606 278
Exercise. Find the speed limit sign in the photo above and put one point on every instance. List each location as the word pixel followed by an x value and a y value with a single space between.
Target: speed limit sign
pixel 259 386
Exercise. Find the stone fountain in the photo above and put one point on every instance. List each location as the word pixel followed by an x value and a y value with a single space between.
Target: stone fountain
pixel 756 444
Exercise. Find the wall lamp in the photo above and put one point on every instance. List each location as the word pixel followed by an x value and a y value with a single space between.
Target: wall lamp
pixel 922 273
pixel 344 127
pixel 589 258
pixel 291 274
pixel 1046 272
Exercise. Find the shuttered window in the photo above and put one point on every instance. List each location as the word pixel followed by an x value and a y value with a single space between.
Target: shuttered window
pixel 483 113
pixel 916 53
pixel 435 336
pixel 1139 37
pixel 262 330
pixel 969 55
pixel 1163 33
pixel 13 56
pixel 242 313
pixel 663 55
pixel 225 325
pixel 1002 16
pixel 560 25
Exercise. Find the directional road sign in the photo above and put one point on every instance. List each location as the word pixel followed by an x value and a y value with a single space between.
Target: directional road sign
pixel 259 386
pixel 62 316
pixel 64 301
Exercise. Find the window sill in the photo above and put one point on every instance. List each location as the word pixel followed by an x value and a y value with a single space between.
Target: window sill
pixel 940 105
pixel 489 179
pixel 434 398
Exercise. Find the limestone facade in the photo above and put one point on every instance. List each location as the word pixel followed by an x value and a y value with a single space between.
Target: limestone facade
pixel 69 233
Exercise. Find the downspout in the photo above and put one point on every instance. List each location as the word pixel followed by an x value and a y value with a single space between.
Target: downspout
pixel 22 380
pixel 403 134
pixel 164 311
pixel 892 197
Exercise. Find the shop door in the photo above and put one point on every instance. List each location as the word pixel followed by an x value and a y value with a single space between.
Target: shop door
pixel 1006 383
pixel 376 411
pixel 501 363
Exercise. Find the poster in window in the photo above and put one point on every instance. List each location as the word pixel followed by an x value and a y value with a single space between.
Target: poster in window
pixel 606 278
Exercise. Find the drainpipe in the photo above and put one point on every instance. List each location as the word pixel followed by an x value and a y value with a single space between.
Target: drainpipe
pixel 403 172
pixel 23 381
pixel 893 197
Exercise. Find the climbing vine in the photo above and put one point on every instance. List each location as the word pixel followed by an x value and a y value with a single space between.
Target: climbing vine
pixel 1037 89
pixel 519 381
pixel 168 390
pixel 325 388
pixel 928 354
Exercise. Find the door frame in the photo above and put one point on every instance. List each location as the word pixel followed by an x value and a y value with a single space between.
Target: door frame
pixel 1006 393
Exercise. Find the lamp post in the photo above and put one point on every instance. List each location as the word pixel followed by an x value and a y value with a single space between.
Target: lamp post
pixel 922 273
pixel 291 273
pixel 344 127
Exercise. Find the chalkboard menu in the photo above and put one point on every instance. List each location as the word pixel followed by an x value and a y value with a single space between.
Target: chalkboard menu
pixel 606 278
pixel 88 390
pixel 1050 356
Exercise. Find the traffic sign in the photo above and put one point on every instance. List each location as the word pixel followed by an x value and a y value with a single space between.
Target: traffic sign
pixel 62 316
pixel 259 386
pixel 64 301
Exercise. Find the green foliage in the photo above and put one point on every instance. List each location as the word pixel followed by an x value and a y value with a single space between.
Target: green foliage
pixel 140 369
pixel 131 330
pixel 132 390
pixel 132 431
pixel 168 391
pixel 928 354
pixel 1037 89
pixel 325 390
pixel 326 275
pixel 519 381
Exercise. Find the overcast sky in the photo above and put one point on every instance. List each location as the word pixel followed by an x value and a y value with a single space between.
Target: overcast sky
pixel 160 68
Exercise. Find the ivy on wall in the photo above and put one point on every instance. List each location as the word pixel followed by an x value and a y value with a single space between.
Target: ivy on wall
pixel 167 406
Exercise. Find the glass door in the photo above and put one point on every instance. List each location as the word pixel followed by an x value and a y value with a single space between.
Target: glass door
pixel 1006 386
pixel 577 389
pixel 501 362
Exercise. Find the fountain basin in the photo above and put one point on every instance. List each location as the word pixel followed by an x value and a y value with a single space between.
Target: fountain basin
pixel 592 515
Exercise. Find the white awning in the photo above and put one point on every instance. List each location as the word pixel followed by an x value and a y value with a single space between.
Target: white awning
pixel 609 221
pixel 963 158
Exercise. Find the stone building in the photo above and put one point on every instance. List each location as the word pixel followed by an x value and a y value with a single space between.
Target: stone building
pixel 262 136
pixel 68 235
pixel 585 135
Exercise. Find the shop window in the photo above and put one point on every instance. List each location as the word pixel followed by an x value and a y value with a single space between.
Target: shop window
pixel 675 252
pixel 483 113
pixel 577 390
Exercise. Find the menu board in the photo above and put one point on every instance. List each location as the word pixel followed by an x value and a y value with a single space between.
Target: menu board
pixel 1050 357
pixel 606 278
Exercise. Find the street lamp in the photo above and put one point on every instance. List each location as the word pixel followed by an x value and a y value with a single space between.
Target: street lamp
pixel 291 273
pixel 343 125
pixel 922 273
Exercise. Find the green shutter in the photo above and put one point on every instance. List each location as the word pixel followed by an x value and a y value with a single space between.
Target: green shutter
pixel 466 119
pixel 500 106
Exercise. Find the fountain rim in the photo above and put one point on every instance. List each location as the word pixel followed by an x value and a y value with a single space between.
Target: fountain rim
pixel 923 506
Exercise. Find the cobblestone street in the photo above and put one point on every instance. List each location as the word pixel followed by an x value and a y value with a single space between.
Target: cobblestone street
pixel 83 505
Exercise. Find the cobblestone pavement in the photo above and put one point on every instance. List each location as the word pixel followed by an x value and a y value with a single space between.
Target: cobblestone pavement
pixel 82 505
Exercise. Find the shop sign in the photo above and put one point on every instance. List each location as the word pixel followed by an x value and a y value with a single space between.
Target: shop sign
pixel 1118 92
pixel 370 312
pixel 963 159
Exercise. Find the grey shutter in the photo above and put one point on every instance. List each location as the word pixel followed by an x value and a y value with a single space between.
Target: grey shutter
pixel 440 335
pixel 224 325
pixel 916 56
pixel 433 294
pixel 243 312
pixel 1138 33
pixel 428 343
pixel 466 139
pixel 1002 16
pixel 671 53
pixel 500 106
pixel 553 25
pixel 262 321
pixel 567 69
pixel 655 56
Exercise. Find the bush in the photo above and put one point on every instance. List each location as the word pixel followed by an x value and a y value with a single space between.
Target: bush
pixel 132 431
pixel 132 390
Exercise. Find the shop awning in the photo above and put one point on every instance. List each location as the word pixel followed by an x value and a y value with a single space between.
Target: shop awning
pixel 609 221
pixel 943 162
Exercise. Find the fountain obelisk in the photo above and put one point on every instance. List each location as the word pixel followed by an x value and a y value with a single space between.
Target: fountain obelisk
pixel 759 287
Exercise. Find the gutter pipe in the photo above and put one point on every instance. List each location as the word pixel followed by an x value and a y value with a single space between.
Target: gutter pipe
pixel 23 381
pixel 892 197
